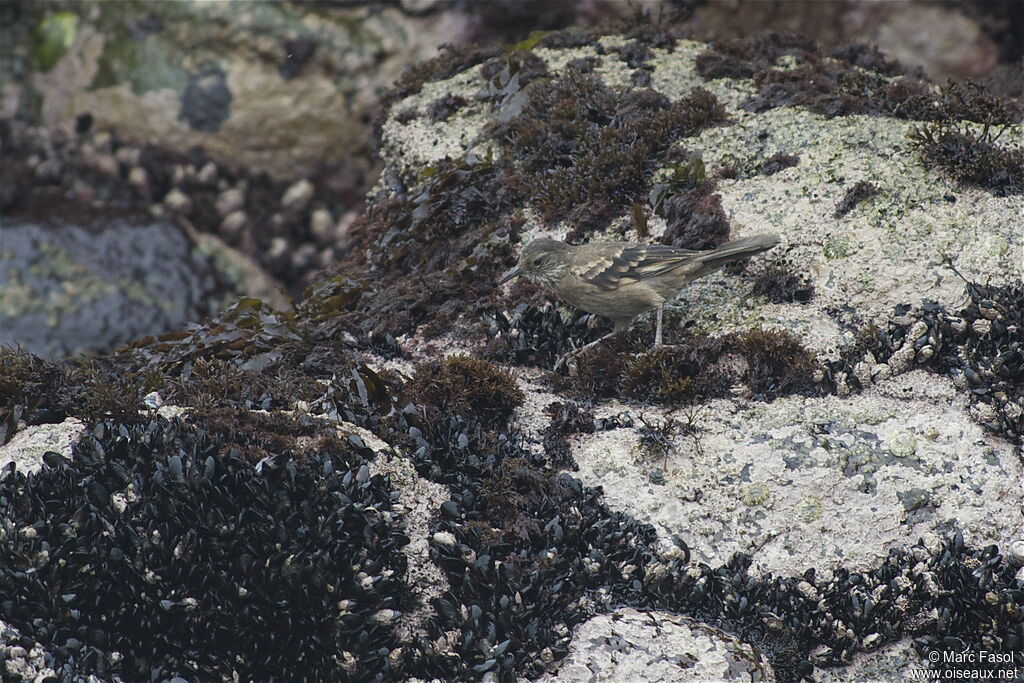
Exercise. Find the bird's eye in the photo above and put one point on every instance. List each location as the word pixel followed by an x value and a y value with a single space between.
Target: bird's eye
pixel 537 261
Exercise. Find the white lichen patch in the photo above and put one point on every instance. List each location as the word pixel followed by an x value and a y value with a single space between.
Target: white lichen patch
pixel 892 662
pixel 530 418
pixel 372 441
pixel 557 60
pixel 418 143
pixel 27 447
pixel 170 412
pixel 630 645
pixel 820 482
pixel 424 142
pixel 891 248
pixel 675 76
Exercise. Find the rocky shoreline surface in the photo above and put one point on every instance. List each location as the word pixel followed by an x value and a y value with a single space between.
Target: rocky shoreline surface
pixel 380 476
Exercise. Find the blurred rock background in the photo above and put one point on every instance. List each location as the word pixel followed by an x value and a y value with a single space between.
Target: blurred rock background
pixel 242 132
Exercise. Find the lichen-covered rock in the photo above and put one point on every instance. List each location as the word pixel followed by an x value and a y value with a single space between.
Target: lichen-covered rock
pixel 628 645
pixel 821 465
pixel 887 663
pixel 27 448
pixel 817 482
pixel 888 251
pixel 891 200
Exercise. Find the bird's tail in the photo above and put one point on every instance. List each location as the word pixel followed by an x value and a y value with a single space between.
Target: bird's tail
pixel 733 251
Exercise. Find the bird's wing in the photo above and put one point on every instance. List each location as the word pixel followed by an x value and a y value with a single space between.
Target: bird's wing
pixel 613 264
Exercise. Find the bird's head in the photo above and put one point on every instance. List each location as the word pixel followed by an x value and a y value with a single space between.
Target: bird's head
pixel 542 262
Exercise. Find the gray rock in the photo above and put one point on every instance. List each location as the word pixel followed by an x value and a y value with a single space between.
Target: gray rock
pixel 630 645
pixel 220 75
pixel 67 286
pixel 762 478
pixel 28 446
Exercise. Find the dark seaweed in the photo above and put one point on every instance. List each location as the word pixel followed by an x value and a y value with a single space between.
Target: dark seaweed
pixel 781 286
pixel 854 196
pixel 580 144
pixel 971 157
pixel 778 162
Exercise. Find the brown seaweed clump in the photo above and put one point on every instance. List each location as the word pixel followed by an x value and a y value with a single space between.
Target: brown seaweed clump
pixel 854 79
pixel 465 386
pixel 769 363
pixel 781 286
pixel 971 157
pixel 779 162
pixel 579 143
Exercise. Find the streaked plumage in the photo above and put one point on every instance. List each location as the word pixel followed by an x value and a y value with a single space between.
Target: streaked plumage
pixel 622 280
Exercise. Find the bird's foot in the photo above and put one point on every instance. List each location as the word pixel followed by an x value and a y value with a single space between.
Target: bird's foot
pixel 661 347
pixel 564 360
pixel 568 361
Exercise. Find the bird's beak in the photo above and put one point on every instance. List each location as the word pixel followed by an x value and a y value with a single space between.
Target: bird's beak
pixel 509 275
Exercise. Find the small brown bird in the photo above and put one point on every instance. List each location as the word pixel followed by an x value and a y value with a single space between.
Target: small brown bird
pixel 621 280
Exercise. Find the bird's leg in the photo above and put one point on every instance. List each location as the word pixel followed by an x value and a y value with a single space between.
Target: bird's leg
pixel 657 333
pixel 586 347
